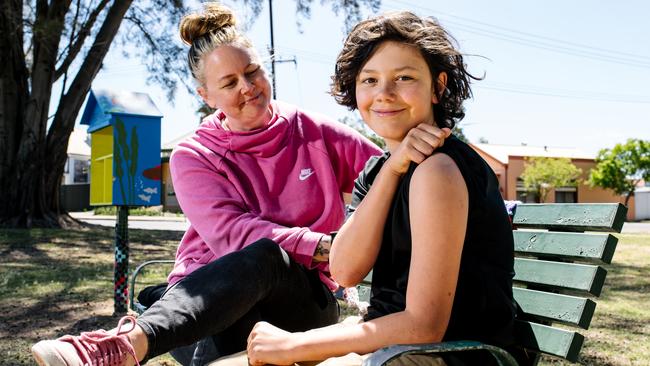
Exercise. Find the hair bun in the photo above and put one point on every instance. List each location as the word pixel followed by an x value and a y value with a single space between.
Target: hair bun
pixel 213 18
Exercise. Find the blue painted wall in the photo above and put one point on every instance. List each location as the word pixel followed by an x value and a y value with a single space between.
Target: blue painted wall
pixel 136 160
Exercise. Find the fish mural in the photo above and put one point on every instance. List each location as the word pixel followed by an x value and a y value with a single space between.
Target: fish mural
pixel 136 185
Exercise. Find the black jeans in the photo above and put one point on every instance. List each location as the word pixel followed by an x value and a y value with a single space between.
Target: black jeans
pixel 225 299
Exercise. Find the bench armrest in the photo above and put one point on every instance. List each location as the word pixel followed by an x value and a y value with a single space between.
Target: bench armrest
pixel 386 354
pixel 135 306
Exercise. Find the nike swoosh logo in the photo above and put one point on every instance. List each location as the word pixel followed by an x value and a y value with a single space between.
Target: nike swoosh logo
pixel 305 175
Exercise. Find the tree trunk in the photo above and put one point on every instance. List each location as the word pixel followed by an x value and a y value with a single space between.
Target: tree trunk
pixel 27 206
pixel 14 93
pixel 32 168
pixel 628 196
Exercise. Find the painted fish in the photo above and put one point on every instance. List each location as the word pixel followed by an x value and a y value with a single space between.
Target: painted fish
pixel 153 173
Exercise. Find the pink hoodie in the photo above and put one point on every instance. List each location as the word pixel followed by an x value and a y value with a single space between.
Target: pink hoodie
pixel 282 182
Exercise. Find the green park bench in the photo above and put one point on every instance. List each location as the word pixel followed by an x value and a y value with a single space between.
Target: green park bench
pixel 559 253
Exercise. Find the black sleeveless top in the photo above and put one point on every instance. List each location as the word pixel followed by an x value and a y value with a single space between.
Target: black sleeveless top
pixel 483 308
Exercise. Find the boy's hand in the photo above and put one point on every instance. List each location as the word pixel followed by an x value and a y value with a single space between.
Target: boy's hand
pixel 419 144
pixel 268 344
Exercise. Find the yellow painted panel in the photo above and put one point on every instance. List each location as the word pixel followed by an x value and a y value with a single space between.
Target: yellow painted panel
pixel 101 167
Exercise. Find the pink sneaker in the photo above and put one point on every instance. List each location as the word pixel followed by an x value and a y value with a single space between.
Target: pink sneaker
pixel 88 349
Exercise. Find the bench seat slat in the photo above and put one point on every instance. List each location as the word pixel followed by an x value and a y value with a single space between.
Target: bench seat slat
pixel 608 217
pixel 573 276
pixel 550 340
pixel 561 308
pixel 593 247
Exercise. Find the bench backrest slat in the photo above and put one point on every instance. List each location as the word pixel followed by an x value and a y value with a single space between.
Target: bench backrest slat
pixel 597 248
pixel 571 217
pixel 554 341
pixel 565 309
pixel 571 276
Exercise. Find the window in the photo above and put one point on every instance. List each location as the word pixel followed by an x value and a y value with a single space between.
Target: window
pixel 80 171
pixel 524 195
pixel 566 195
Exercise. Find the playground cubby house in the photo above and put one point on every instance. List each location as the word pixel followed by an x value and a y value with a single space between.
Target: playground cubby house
pixel 124 130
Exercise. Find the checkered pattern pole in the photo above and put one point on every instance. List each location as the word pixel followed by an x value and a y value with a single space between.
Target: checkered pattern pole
pixel 121 260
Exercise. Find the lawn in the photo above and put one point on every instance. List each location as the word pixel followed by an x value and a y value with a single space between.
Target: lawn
pixel 54 282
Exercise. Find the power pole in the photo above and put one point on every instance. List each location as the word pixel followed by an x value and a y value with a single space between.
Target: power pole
pixel 272 50
pixel 272 53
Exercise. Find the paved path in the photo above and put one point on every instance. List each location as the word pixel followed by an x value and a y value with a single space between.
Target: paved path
pixel 636 227
pixel 181 224
pixel 136 222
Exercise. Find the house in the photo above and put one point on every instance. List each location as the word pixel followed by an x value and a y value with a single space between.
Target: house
pixel 77 166
pixel 168 197
pixel 507 161
pixel 75 184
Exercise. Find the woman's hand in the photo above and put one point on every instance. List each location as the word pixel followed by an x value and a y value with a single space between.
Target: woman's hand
pixel 270 344
pixel 419 143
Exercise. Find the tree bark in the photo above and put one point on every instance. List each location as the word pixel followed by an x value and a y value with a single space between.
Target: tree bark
pixel 14 93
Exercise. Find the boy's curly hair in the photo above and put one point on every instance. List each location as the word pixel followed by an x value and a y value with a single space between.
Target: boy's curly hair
pixel 427 35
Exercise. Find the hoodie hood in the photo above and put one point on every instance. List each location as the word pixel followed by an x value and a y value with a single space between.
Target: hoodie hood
pixel 265 141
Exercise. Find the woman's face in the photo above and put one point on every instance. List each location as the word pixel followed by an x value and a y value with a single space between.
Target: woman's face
pixel 236 83
pixel 394 91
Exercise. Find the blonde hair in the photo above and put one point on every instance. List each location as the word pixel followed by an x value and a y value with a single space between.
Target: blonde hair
pixel 204 31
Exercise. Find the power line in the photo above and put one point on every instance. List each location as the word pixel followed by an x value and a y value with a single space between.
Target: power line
pixel 513 88
pixel 562 93
pixel 537 41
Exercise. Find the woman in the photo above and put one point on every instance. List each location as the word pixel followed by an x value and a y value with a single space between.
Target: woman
pixel 431 225
pixel 255 169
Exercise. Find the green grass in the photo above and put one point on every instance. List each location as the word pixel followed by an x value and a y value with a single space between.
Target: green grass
pixel 55 282
pixel 620 331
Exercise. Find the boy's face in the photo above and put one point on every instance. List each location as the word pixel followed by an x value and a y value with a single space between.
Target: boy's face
pixel 394 91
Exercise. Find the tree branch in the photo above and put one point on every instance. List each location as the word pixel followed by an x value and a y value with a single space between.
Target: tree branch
pixel 84 32
pixel 71 102
pixel 75 20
